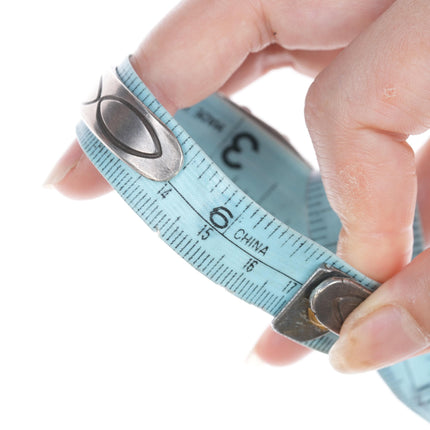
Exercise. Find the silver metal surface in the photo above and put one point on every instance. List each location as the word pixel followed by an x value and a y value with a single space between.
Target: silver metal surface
pixel 131 131
pixel 334 299
pixel 320 305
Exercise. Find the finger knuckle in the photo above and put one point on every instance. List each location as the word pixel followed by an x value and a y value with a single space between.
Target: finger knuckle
pixel 315 110
pixel 327 114
pixel 262 23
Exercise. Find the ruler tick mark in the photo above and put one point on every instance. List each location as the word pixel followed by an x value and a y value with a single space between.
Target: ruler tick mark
pixel 219 276
pixel 259 222
pixel 203 261
pixel 177 237
pixel 220 267
pixel 207 266
pixel 181 241
pixel 228 200
pixel 156 215
pixel 274 231
pixel 197 250
pixel 164 225
pixel 204 171
pixel 231 279
pixel 173 232
pixel 148 208
pixel 226 276
pixel 182 250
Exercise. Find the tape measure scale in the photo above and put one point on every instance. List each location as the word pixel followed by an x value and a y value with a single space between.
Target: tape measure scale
pixel 242 207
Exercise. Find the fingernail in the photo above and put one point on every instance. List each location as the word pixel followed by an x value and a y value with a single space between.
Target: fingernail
pixel 65 164
pixel 254 359
pixel 383 337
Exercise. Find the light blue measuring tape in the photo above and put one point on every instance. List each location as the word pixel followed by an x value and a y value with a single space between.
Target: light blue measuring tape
pixel 241 207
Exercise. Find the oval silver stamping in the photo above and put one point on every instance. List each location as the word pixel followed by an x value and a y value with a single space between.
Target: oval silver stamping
pixel 131 131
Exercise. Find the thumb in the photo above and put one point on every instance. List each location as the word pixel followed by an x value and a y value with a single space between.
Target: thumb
pixel 393 324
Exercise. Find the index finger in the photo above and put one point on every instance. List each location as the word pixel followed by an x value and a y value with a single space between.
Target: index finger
pixel 188 56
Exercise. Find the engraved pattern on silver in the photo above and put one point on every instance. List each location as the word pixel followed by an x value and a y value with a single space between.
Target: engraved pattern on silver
pixel 131 131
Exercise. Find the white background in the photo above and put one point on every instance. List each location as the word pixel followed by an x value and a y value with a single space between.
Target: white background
pixel 102 326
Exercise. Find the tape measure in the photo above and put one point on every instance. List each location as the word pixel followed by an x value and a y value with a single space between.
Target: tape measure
pixel 242 206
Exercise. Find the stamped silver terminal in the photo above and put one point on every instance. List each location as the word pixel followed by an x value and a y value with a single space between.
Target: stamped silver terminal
pixel 131 131
pixel 334 299
pixel 322 304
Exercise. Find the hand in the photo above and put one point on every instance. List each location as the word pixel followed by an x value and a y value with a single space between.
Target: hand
pixel 362 96
pixel 360 111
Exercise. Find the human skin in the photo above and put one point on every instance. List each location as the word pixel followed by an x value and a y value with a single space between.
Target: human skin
pixel 371 63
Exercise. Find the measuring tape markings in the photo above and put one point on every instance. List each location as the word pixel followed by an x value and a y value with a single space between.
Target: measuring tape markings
pixel 221 231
